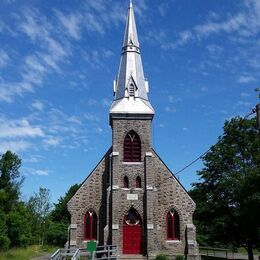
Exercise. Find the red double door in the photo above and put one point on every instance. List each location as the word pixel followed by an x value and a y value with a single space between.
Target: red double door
pixel 132 239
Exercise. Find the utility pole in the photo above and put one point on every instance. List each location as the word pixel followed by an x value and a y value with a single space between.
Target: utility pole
pixel 258 109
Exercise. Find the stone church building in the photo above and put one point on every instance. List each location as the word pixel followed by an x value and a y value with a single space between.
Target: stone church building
pixel 131 199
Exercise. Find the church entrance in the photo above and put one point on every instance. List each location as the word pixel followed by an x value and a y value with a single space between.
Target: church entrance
pixel 132 233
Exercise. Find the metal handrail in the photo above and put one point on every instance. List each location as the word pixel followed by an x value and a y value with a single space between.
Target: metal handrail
pixel 56 255
pixel 108 251
pixel 76 255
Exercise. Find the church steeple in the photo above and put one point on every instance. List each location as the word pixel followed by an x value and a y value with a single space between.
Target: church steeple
pixel 130 87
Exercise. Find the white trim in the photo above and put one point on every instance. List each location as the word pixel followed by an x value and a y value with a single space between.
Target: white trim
pixel 115 226
pixel 149 154
pixel 73 226
pixel 132 163
pixel 173 241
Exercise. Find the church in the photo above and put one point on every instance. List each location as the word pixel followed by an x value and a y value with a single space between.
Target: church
pixel 131 199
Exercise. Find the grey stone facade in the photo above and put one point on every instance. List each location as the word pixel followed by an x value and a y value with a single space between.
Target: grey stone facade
pixel 160 194
pixel 103 192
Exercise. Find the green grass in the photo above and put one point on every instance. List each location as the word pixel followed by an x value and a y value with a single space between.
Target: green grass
pixel 26 253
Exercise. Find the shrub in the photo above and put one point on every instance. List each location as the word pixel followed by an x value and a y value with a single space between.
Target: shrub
pixel 161 257
pixel 4 242
pixel 179 257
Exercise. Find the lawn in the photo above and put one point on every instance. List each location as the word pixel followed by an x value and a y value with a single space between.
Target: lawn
pixel 26 253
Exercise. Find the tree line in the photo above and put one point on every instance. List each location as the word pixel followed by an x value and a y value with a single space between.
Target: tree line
pixel 35 221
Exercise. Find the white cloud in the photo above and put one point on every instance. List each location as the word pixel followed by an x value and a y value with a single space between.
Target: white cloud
pixel 230 25
pixel 52 141
pixel 41 172
pixel 14 146
pixel 71 23
pixel 98 130
pixel 38 105
pixel 245 95
pixel 19 128
pixel 74 119
pixel 246 79
pixel 170 109
pixel 4 58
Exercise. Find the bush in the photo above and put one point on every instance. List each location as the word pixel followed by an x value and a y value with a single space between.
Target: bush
pixel 4 242
pixel 161 257
pixel 57 234
pixel 179 257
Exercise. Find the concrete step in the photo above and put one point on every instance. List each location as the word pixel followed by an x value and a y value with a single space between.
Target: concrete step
pixel 133 257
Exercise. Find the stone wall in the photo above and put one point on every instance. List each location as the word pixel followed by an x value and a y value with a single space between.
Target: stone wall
pixel 103 191
pixel 92 194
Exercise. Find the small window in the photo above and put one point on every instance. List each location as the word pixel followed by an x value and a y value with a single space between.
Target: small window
pixel 90 227
pixel 126 182
pixel 173 225
pixel 132 147
pixel 138 182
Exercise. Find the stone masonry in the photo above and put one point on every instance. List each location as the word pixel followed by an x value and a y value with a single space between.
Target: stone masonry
pixel 135 218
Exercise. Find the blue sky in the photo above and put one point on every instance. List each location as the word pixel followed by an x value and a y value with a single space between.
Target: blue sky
pixel 58 60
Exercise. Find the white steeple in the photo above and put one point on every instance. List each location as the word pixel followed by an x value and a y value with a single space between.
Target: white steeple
pixel 130 87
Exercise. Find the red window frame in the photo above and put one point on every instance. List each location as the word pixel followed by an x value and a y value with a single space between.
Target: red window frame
pixel 173 225
pixel 90 225
pixel 138 182
pixel 132 147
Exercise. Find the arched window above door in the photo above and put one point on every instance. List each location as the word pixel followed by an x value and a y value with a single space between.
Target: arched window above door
pixel 132 147
pixel 90 225
pixel 173 225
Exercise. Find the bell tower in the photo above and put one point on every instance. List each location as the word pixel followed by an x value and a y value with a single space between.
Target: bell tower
pixel 131 117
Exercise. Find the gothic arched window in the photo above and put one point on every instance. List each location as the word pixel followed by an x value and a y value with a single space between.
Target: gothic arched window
pixel 126 182
pixel 90 226
pixel 138 182
pixel 132 147
pixel 173 225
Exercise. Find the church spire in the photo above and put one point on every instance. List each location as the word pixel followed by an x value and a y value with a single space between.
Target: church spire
pixel 130 87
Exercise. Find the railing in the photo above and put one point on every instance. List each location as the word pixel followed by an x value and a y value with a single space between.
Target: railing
pixel 223 253
pixel 62 253
pixel 107 252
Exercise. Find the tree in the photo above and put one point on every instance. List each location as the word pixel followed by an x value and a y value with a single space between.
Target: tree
pixel 228 196
pixel 19 226
pixel 60 212
pixel 60 219
pixel 40 206
pixel 10 180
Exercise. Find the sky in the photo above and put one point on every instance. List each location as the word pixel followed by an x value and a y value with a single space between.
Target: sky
pixel 58 60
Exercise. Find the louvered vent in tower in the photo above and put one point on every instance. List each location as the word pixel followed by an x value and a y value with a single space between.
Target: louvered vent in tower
pixel 132 90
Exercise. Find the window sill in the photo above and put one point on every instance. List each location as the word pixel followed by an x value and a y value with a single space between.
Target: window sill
pixel 132 163
pixel 173 241
pixel 125 189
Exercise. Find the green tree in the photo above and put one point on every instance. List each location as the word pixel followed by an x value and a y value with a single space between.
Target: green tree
pixel 60 212
pixel 228 196
pixel 10 180
pixel 19 226
pixel 40 206
pixel 60 219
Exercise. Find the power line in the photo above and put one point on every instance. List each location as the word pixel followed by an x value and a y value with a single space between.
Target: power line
pixel 253 111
